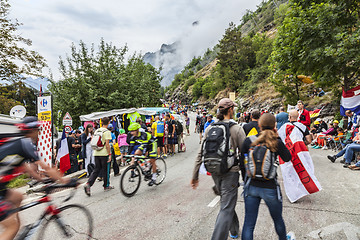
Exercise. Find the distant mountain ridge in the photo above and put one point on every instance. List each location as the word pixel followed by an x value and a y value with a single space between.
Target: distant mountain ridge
pixel 34 83
pixel 166 58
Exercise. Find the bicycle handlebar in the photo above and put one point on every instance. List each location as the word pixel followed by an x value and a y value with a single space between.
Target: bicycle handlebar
pixel 47 188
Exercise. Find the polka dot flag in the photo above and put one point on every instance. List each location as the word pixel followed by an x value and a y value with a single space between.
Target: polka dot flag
pixel 44 145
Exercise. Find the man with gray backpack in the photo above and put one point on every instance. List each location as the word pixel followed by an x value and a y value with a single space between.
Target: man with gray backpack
pixel 100 143
pixel 219 153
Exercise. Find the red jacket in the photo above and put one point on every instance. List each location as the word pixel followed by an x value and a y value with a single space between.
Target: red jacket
pixel 304 118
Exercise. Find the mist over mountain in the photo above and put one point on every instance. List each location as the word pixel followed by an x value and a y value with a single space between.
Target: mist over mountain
pixel 167 58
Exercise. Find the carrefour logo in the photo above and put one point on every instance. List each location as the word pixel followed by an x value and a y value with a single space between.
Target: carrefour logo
pixel 43 102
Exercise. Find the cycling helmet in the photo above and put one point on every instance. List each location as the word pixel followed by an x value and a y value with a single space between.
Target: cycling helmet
pixel 28 124
pixel 134 127
pixel 110 126
pixel 122 131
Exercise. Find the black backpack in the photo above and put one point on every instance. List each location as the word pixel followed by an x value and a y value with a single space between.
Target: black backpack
pixel 216 151
pixel 261 163
pixel 203 120
pixel 178 127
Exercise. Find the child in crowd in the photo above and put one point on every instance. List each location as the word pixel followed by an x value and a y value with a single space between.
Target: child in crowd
pixel 124 146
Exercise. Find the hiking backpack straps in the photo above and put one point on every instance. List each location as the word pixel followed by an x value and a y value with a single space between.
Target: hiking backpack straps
pixel 216 151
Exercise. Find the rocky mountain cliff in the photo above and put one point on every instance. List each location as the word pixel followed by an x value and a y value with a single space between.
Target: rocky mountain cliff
pixel 167 59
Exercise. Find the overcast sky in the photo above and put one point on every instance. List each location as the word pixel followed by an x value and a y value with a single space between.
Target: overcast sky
pixel 143 25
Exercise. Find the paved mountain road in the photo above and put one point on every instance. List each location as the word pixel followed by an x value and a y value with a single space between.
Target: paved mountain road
pixel 173 210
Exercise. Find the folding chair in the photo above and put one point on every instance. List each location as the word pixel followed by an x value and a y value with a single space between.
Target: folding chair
pixel 338 142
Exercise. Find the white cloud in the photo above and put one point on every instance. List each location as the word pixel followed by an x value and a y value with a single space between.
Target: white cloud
pixel 144 25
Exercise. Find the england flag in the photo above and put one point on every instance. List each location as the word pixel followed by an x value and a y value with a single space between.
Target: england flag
pixel 298 174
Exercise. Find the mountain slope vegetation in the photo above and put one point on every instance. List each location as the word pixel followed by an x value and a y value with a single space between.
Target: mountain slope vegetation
pixel 274 45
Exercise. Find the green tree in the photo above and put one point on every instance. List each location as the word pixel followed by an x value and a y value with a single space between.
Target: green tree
pixel 320 39
pixel 102 80
pixel 235 57
pixel 14 59
pixel 15 92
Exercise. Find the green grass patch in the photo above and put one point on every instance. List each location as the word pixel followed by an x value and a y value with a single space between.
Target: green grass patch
pixel 20 181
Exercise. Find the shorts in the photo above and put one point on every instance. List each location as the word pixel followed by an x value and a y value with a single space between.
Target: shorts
pixel 160 141
pixel 124 149
pixel 201 129
pixel 151 149
pixel 187 127
pixel 172 141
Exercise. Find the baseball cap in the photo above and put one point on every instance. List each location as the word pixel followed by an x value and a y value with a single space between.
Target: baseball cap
pixel 318 119
pixel 110 126
pixel 316 122
pixel 226 103
pixel 335 121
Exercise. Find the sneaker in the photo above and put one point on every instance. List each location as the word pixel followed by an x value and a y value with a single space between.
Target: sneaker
pixel 99 179
pixel 290 236
pixel 151 183
pixel 116 175
pixel 342 161
pixel 234 236
pixel 133 175
pixel 325 147
pixel 317 147
pixel 216 191
pixel 314 146
pixel 108 188
pixel 346 165
pixel 332 158
pixel 164 156
pixel 87 189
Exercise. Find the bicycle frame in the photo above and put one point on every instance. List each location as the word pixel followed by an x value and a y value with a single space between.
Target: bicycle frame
pixel 29 230
pixel 138 161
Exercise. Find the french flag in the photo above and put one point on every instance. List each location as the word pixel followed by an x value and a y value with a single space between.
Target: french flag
pixel 63 154
pixel 350 100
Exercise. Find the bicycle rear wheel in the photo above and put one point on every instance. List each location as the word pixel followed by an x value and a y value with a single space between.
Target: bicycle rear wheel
pixel 130 181
pixel 160 170
pixel 73 222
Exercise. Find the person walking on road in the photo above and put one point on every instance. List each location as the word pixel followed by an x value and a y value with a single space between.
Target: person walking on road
pixel 228 183
pixel 281 118
pixel 252 127
pixel 102 157
pixel 87 151
pixel 269 190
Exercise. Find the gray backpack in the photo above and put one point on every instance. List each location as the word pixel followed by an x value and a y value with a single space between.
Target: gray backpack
pixel 261 163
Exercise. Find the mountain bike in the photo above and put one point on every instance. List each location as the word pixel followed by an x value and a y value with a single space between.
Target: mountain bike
pixel 131 177
pixel 72 221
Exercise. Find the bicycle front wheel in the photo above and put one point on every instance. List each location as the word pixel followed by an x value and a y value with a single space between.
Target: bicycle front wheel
pixel 72 222
pixel 130 181
pixel 160 170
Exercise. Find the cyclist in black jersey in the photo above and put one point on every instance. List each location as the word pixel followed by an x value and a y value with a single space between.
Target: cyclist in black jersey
pixel 17 157
pixel 142 143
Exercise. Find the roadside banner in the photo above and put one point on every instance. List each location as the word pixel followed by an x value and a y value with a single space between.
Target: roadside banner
pixel 298 174
pixel 44 144
pixel 350 100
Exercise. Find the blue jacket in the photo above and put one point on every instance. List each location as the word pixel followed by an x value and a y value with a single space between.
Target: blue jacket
pixel 84 141
pixel 208 124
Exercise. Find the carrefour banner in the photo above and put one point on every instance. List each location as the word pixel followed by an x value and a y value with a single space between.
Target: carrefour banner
pixel 44 145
